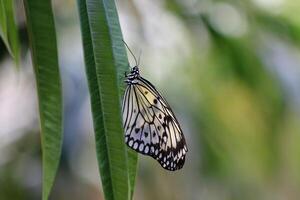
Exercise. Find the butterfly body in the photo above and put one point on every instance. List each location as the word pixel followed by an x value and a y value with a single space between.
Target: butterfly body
pixel 150 125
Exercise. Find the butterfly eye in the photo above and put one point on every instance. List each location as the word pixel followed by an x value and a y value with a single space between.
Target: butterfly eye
pixel 150 125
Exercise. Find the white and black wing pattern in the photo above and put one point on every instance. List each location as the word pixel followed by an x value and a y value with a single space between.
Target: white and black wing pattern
pixel 151 127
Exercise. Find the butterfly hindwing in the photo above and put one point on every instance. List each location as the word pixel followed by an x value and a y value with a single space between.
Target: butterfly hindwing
pixel 150 126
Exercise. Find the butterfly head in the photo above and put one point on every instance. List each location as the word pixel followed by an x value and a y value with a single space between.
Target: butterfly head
pixel 133 75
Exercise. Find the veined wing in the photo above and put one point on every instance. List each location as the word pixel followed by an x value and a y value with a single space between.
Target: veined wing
pixel 151 127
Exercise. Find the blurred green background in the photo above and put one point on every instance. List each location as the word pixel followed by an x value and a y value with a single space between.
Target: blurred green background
pixel 230 70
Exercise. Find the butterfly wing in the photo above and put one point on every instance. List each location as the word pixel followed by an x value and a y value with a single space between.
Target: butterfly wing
pixel 151 127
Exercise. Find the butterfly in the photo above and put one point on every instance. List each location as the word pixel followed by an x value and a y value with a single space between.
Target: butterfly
pixel 150 125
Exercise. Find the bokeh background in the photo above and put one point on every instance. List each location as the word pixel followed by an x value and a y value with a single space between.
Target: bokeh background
pixel 230 70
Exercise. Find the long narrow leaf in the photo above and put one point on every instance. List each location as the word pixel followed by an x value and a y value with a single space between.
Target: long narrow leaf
pixel 42 37
pixel 106 60
pixel 101 144
pixel 3 24
pixel 121 62
pixel 8 28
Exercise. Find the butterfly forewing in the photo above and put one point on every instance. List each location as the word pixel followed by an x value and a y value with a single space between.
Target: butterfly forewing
pixel 150 126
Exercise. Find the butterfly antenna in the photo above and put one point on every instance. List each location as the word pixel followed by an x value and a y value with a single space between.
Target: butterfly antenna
pixel 131 53
pixel 139 59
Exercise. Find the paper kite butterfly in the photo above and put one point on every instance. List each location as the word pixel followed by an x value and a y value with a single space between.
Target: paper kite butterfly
pixel 150 125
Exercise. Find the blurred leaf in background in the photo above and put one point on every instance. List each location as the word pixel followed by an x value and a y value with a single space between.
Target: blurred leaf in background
pixel 8 28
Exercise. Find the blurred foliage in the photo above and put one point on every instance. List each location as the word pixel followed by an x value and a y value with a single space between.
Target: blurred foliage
pixel 8 29
pixel 242 104
pixel 15 172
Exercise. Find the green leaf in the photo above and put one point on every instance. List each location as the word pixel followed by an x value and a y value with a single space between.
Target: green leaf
pixel 8 28
pixel 121 62
pixel 279 26
pixel 3 24
pixel 106 61
pixel 42 40
pixel 132 167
